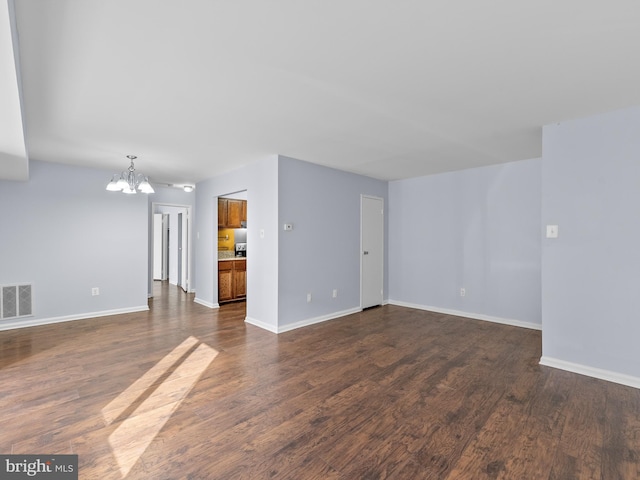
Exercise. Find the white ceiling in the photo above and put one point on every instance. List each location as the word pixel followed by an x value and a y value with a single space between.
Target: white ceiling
pixel 390 89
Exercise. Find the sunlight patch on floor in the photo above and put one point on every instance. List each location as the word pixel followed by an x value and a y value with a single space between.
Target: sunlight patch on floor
pixel 137 431
pixel 123 401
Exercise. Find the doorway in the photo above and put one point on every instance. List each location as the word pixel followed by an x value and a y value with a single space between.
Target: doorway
pixel 371 251
pixel 171 244
pixel 232 249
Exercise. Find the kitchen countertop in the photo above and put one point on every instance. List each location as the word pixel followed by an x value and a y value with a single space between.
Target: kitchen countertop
pixel 231 258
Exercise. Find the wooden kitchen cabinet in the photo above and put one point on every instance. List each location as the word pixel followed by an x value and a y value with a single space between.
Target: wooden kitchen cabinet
pixel 222 212
pixel 231 212
pixel 234 213
pixel 232 280
pixel 240 278
pixel 225 281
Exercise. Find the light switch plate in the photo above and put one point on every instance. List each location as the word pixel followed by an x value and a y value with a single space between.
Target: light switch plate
pixel 552 231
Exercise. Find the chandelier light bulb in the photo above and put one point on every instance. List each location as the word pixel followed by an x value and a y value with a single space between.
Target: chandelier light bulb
pixel 113 185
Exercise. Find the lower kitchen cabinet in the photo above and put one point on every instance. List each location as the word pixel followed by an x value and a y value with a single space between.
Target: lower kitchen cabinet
pixel 240 278
pixel 225 281
pixel 232 280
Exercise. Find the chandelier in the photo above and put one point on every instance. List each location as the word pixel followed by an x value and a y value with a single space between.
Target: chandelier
pixel 128 181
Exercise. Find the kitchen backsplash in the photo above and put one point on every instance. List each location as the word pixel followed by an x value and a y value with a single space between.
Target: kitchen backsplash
pixel 226 240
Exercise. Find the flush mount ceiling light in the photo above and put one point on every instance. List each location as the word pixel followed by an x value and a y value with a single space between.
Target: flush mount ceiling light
pixel 128 181
pixel 182 186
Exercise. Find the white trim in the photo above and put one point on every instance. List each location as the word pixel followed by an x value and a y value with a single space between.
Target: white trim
pixel 475 316
pixel 190 244
pixel 301 323
pixel 205 303
pixel 261 324
pixel 68 318
pixel 607 375
pixel 320 319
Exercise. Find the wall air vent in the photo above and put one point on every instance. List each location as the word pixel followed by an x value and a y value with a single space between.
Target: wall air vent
pixel 15 301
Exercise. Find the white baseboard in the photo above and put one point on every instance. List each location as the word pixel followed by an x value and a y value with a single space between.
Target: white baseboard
pixel 320 319
pixel 199 301
pixel 475 316
pixel 301 323
pixel 607 375
pixel 34 322
pixel 261 324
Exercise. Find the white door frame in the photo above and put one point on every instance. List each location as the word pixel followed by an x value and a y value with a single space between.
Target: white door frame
pixel 156 269
pixel 189 244
pixel 180 258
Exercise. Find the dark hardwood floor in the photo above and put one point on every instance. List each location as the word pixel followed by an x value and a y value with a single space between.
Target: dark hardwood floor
pixel 183 391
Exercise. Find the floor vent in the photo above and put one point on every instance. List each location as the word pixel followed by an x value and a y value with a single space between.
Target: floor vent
pixel 15 301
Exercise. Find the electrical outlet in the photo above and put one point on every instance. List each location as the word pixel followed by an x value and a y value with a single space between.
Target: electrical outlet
pixel 335 293
pixel 463 292
pixel 552 231
pixel 308 298
pixel 95 291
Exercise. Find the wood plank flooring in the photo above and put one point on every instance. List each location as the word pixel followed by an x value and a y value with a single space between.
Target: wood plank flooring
pixel 185 392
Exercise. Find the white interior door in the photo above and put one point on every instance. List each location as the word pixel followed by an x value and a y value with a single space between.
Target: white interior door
pixel 157 246
pixel 179 281
pixel 372 251
pixel 165 246
pixel 185 252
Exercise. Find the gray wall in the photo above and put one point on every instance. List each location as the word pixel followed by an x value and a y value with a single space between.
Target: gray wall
pixel 590 279
pixel 260 180
pixel 481 229
pixel 322 252
pixel 63 232
pixel 283 267
pixel 477 229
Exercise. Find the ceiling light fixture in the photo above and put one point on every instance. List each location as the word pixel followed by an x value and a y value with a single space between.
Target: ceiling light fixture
pixel 128 181
pixel 188 188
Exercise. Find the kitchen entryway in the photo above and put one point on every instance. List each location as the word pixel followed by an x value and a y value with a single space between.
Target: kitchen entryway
pixel 232 248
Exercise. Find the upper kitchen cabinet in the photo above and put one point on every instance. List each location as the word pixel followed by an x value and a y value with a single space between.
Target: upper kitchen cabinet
pixel 231 212
pixel 222 212
pixel 234 213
